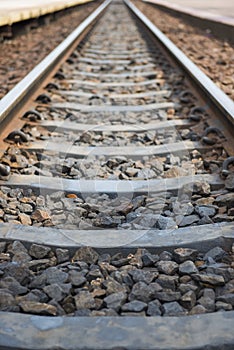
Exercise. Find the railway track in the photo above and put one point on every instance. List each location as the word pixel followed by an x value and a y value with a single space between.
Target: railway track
pixel 116 196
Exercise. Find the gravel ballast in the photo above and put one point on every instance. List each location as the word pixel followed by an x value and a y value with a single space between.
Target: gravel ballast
pixel 213 56
pixel 23 52
pixel 183 282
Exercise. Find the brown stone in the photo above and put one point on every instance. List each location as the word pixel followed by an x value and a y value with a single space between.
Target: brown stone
pixel 40 215
pixel 33 307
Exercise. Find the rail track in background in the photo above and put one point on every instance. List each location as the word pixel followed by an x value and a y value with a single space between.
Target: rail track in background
pixel 116 195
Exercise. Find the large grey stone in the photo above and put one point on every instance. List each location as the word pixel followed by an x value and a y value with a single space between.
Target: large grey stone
pixel 115 300
pixel 39 251
pixel 172 309
pixel 216 253
pixel 225 200
pixel 143 276
pixel 154 308
pixel 167 267
pixel 188 220
pixel 166 296
pixel 13 286
pixel 134 306
pixel 208 210
pixel 62 255
pixel 55 275
pixel 54 291
pixel 143 292
pixel 168 282
pixel 187 268
pixel 76 278
pixel 6 299
pixel 227 298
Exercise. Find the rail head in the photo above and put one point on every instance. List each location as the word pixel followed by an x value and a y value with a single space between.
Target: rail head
pixel 14 98
pixel 216 95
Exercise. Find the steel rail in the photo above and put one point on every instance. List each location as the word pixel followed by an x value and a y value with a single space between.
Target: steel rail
pixel 19 93
pixel 219 98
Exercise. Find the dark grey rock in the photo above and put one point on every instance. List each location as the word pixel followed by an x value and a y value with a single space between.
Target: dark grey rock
pixel 166 223
pixel 168 282
pixel 126 279
pixel 216 253
pixel 16 247
pixel 205 210
pixel 209 293
pixel 208 303
pixel 187 268
pixel 104 258
pixel 166 296
pixel 2 247
pixel 205 220
pixel 188 300
pixel 147 220
pixel 227 298
pixel 21 257
pixel 54 275
pixel 225 200
pixel 120 262
pixel 149 259
pixel 54 291
pixel 6 300
pixel 226 289
pixel 172 309
pixel 143 292
pixel 86 254
pixel 38 281
pixel 62 255
pixel 229 182
pixel 43 297
pixel 167 267
pixel 134 306
pixel 115 300
pixel 20 272
pixel 182 208
pixel 76 278
pixel 82 313
pixel 154 308
pixel 13 286
pixel 94 274
pixel 188 220
pixel 39 251
pixel 165 256
pixel 143 276
pixel 182 254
